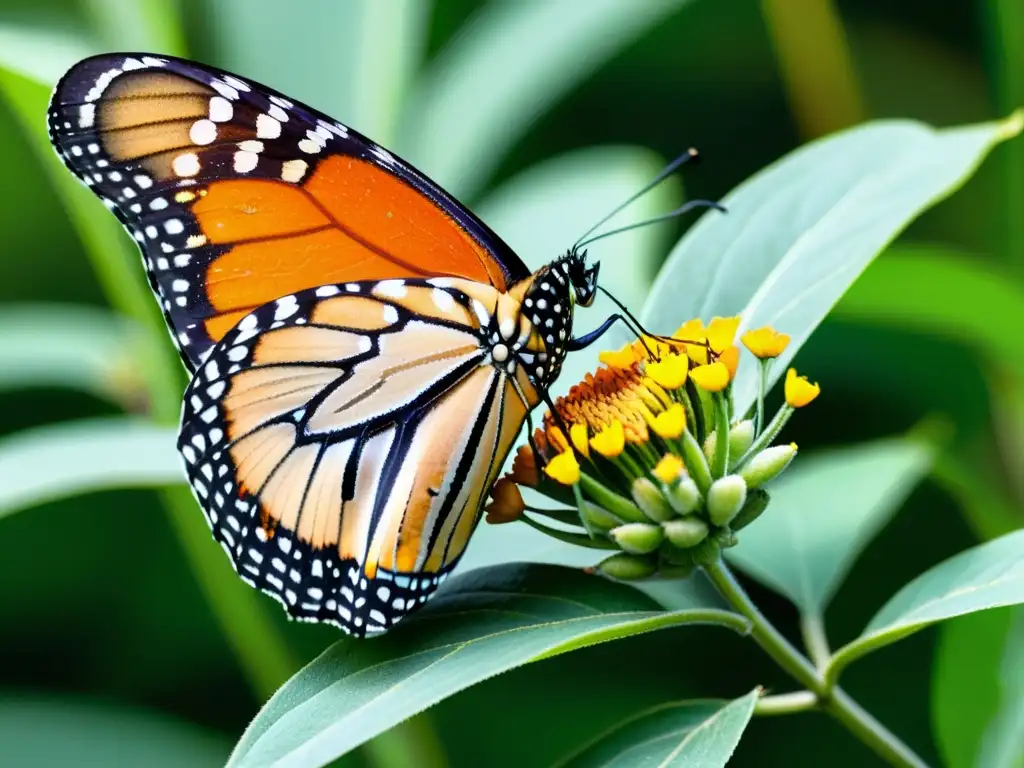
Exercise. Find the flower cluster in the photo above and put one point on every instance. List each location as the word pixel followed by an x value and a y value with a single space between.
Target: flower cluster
pixel 647 457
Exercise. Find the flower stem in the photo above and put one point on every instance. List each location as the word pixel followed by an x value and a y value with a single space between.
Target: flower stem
pixel 837 703
pixel 812 628
pixel 721 460
pixel 785 703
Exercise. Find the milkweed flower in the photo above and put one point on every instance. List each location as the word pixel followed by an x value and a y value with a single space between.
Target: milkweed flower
pixel 633 456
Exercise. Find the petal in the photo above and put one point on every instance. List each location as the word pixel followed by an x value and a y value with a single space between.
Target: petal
pixel 669 469
pixel 669 372
pixel 670 424
pixel 722 331
pixel 713 377
pixel 578 436
pixel 610 441
pixel 799 391
pixel 730 357
pixel 564 468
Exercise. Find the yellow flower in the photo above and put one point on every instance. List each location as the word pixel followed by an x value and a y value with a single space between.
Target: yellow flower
pixel 721 332
pixel 608 394
pixel 564 468
pixel 730 357
pixel 669 469
pixel 670 424
pixel 619 358
pixel 799 391
pixel 765 342
pixel 578 435
pixel 693 330
pixel 670 371
pixel 713 377
pixel 610 441
pixel 649 348
pixel 506 502
pixel 557 439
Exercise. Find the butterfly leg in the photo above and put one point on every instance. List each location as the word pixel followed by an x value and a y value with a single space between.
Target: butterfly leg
pixel 576 343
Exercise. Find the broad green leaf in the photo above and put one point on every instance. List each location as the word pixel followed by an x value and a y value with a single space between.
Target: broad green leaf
pixel 987 576
pixel 41 54
pixel 963 297
pixel 978 689
pixel 62 345
pixel 694 734
pixel 61 460
pixel 503 70
pixel 41 733
pixel 799 232
pixel 353 60
pixel 139 25
pixel 540 213
pixel 824 511
pixel 481 624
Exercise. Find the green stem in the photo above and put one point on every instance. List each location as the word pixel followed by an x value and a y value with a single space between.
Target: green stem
pixel 765 438
pixel 812 627
pixel 762 391
pixel 844 709
pixel 721 459
pixel 786 704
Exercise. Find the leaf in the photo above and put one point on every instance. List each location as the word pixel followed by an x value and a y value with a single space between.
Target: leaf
pixel 61 460
pixel 504 69
pixel 90 734
pixel 41 54
pixel 1002 744
pixel 824 511
pixel 968 298
pixel 799 232
pixel 987 576
pixel 479 625
pixel 62 345
pixel 700 734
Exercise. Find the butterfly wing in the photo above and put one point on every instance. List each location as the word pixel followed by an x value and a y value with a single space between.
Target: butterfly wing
pixel 237 195
pixel 341 442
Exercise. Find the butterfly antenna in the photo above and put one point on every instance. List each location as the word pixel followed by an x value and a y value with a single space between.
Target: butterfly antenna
pixel 664 217
pixel 668 170
pixel 642 333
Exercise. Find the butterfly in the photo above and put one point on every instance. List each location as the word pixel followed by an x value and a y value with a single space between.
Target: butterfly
pixel 363 349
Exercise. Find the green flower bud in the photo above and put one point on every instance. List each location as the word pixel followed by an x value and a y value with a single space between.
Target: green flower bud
pixel 726 498
pixel 597 518
pixel 768 464
pixel 707 552
pixel 683 496
pixel 625 567
pixel 637 538
pixel 757 502
pixel 741 437
pixel 647 496
pixel 710 445
pixel 686 532
pixel 696 463
pixel 618 505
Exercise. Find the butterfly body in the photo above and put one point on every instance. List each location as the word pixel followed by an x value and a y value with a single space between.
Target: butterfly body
pixel 363 350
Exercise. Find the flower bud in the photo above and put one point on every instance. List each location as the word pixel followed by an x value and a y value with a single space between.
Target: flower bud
pixel 710 445
pixel 686 532
pixel 626 567
pixel 637 538
pixel 768 464
pixel 597 518
pixel 506 502
pixel 647 496
pixel 757 502
pixel 741 436
pixel 725 499
pixel 707 552
pixel 684 496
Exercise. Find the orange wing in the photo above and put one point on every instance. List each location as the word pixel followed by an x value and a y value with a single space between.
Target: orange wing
pixel 341 442
pixel 238 196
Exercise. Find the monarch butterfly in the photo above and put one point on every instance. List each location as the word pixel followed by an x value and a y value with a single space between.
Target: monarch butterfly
pixel 363 349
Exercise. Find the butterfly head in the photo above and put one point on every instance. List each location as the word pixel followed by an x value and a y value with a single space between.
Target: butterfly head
pixel 582 277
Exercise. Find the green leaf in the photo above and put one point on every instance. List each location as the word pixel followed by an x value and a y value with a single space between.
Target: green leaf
pixel 61 460
pixel 139 25
pixel 978 690
pixel 986 576
pixel 539 213
pixel 506 67
pixel 799 232
pixel 62 345
pixel 481 624
pixel 969 299
pixel 824 511
pixel 41 733
pixel 686 733
pixel 41 54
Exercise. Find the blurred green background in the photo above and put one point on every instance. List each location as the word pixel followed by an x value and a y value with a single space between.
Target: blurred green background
pixel 111 652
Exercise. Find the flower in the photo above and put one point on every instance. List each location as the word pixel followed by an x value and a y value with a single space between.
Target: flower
pixel 799 391
pixel 669 372
pixel 765 343
pixel 670 423
pixel 564 468
pixel 714 377
pixel 619 358
pixel 722 332
pixel 610 441
pixel 506 502
pixel 524 468
pixel 669 469
pixel 578 436
pixel 730 358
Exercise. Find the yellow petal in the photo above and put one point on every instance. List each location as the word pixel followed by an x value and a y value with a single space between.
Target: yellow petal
pixel 610 441
pixel 619 358
pixel 693 330
pixel 670 424
pixel 506 502
pixel 765 342
pixel 564 468
pixel 799 391
pixel 670 371
pixel 721 332
pixel 557 438
pixel 578 435
pixel 669 469
pixel 730 356
pixel 713 377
